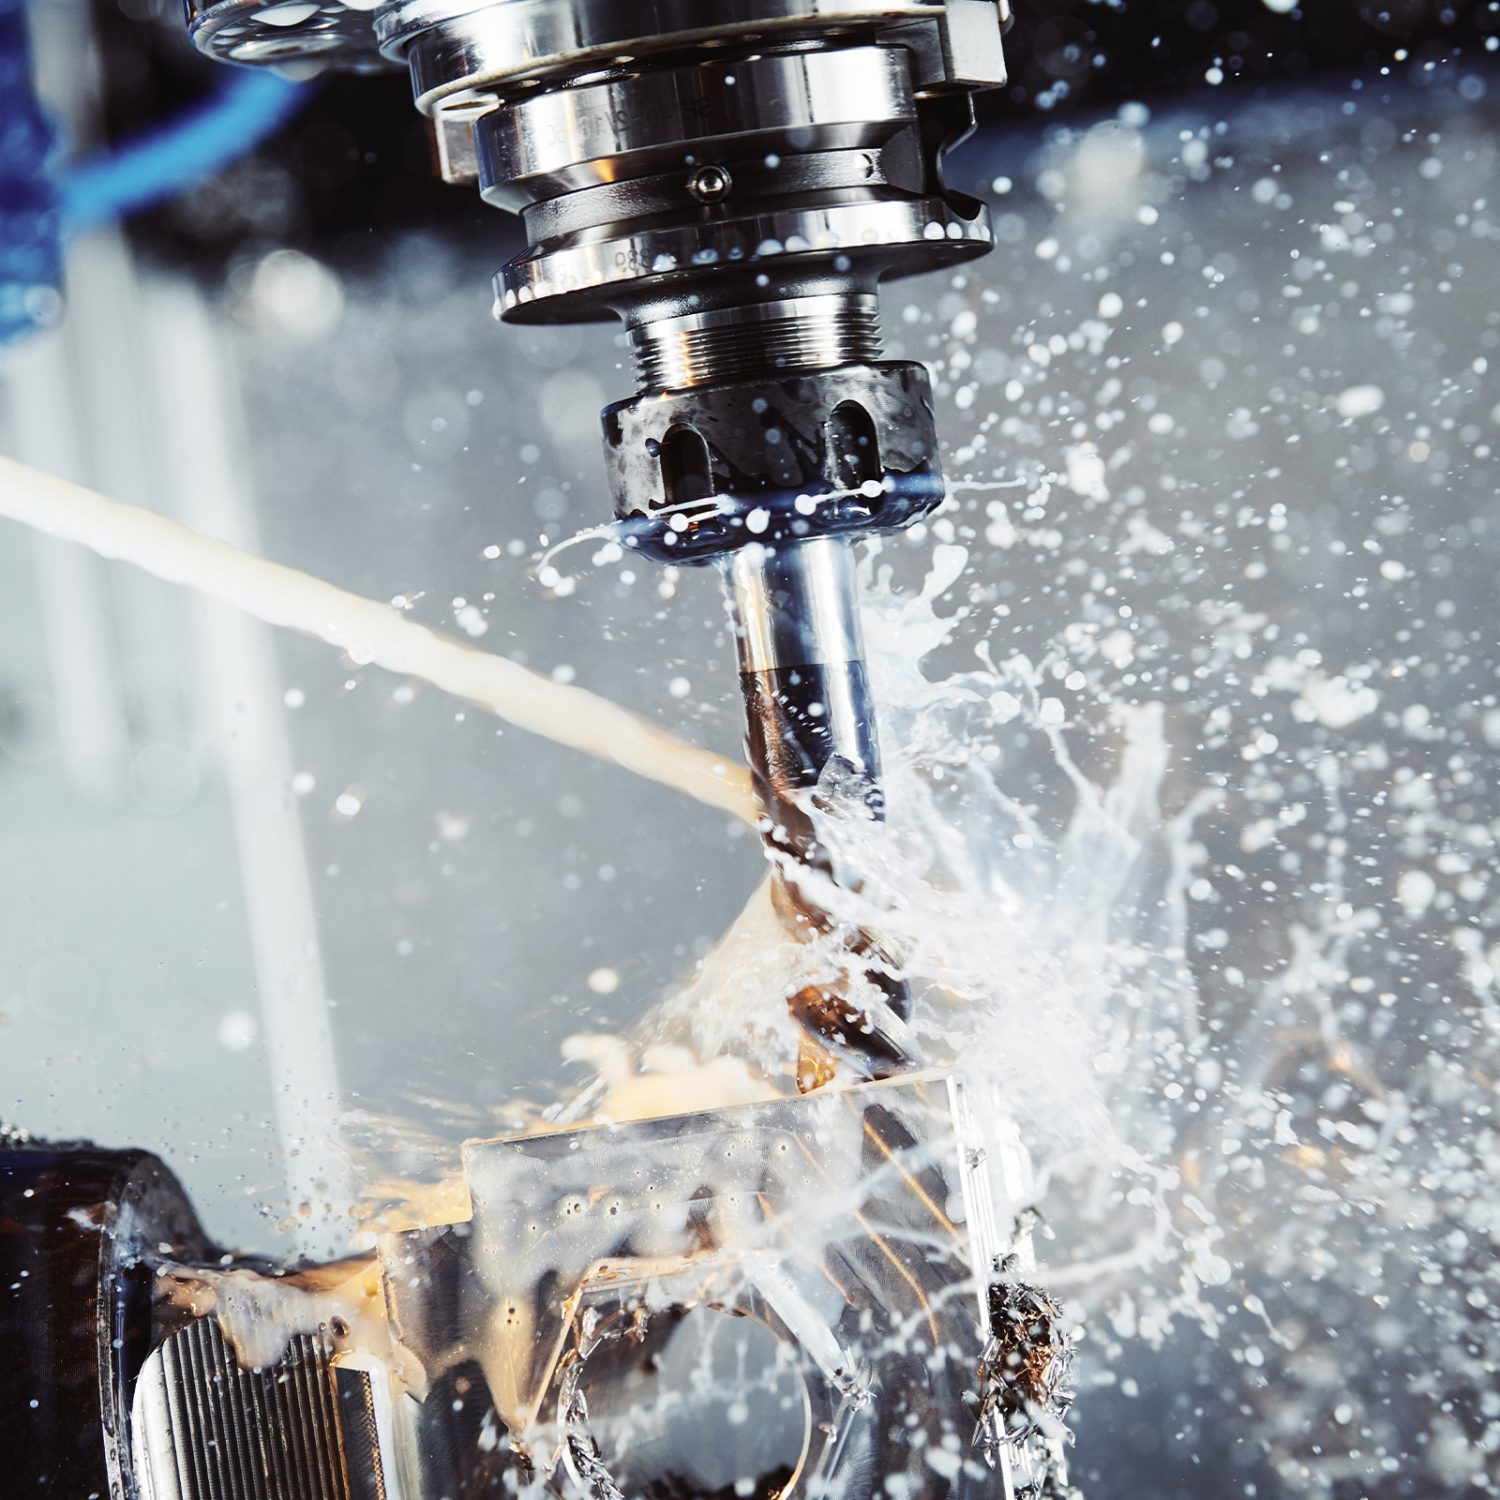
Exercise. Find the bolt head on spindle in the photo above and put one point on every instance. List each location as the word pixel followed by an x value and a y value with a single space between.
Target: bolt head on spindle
pixel 710 184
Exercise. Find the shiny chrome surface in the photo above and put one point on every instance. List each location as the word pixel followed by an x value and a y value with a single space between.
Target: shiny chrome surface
pixel 455 48
pixel 803 1215
pixel 818 160
pixel 585 136
pixel 454 45
pixel 570 27
pixel 588 278
pixel 812 742
pixel 798 607
pixel 599 118
pixel 340 33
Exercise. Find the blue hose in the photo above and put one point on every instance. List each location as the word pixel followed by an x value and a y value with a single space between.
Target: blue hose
pixel 42 201
pixel 164 163
pixel 30 226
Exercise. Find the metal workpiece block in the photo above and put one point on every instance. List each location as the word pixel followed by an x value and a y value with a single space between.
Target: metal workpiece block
pixel 829 1295
pixel 792 1296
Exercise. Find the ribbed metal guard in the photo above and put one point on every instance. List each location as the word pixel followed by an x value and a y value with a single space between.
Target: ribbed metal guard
pixel 364 1460
pixel 236 1434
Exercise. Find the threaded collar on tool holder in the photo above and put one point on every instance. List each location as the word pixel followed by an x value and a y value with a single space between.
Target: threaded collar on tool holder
pixel 836 452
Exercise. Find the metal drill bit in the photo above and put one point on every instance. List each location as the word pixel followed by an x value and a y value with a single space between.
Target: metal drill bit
pixel 810 728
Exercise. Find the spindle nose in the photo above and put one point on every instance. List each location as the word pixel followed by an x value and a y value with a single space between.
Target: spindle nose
pixel 733 180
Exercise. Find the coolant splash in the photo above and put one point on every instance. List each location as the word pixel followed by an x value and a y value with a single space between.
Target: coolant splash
pixel 1250 1154
pixel 1253 1154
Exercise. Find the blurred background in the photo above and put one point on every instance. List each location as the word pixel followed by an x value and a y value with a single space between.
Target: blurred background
pixel 1245 310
